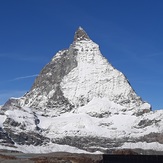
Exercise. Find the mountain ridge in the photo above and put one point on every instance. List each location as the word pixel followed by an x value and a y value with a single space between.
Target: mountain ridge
pixel 79 100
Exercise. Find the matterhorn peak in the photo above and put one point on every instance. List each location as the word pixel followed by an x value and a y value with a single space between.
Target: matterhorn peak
pixel 80 34
pixel 80 100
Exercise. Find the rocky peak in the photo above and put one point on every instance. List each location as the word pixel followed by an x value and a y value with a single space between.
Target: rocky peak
pixel 75 77
pixel 79 99
pixel 80 34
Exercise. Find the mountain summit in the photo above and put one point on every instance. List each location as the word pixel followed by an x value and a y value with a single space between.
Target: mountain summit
pixel 76 76
pixel 80 34
pixel 80 100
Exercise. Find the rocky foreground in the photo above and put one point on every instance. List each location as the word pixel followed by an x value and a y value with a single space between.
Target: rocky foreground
pixel 115 156
pixel 10 157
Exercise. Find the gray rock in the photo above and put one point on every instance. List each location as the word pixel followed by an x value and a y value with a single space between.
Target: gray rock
pixel 146 122
pixel 4 137
pixel 47 98
pixel 49 79
pixel 80 34
pixel 26 138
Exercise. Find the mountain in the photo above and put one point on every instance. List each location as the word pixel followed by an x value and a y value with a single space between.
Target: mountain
pixel 80 103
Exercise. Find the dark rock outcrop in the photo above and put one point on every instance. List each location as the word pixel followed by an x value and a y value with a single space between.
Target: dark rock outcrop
pixel 80 34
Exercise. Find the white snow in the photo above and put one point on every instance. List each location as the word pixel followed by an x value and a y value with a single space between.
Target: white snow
pixel 23 116
pixel 59 54
pixel 144 145
pixel 105 106
pixel 48 148
pixel 2 119
pixel 100 106
pixel 82 122
pixel 95 77
pixel 8 148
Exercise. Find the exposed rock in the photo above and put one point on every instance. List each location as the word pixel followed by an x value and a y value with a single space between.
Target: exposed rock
pixel 153 137
pixel 91 144
pixel 147 122
pixel 80 34
pixel 26 138
pixel 4 137
pixel 80 101
pixel 46 93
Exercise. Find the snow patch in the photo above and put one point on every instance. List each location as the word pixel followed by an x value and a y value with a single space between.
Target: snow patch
pixel 144 145
pixel 2 119
pixel 51 147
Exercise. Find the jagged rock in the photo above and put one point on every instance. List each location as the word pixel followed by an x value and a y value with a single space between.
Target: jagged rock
pixel 80 34
pixel 27 138
pixel 80 102
pixel 124 152
pixel 146 122
pixel 76 76
pixel 4 137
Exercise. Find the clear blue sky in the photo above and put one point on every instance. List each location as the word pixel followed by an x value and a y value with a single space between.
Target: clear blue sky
pixel 130 34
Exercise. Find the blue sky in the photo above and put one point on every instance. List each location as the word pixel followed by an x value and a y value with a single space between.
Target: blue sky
pixel 129 32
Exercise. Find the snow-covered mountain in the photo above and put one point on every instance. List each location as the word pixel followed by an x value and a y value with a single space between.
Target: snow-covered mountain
pixel 80 103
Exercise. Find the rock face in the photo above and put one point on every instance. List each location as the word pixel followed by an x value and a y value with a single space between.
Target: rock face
pixel 77 75
pixel 79 99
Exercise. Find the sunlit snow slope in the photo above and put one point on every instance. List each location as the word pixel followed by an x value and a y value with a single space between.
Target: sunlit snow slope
pixel 79 102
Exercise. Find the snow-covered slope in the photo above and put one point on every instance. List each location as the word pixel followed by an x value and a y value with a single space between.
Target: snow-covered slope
pixel 80 101
pixel 95 77
pixel 74 77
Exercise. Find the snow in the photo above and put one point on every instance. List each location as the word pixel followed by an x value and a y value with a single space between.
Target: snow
pixel 144 145
pixel 8 148
pixel 59 54
pixel 2 119
pixel 95 77
pixel 105 106
pixel 51 147
pixel 23 116
pixel 83 122
pixel 80 28
pixel 48 148
pixel 100 106
pixel 69 124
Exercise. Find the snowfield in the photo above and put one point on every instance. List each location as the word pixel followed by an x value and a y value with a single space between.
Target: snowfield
pixel 87 122
pixel 80 103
